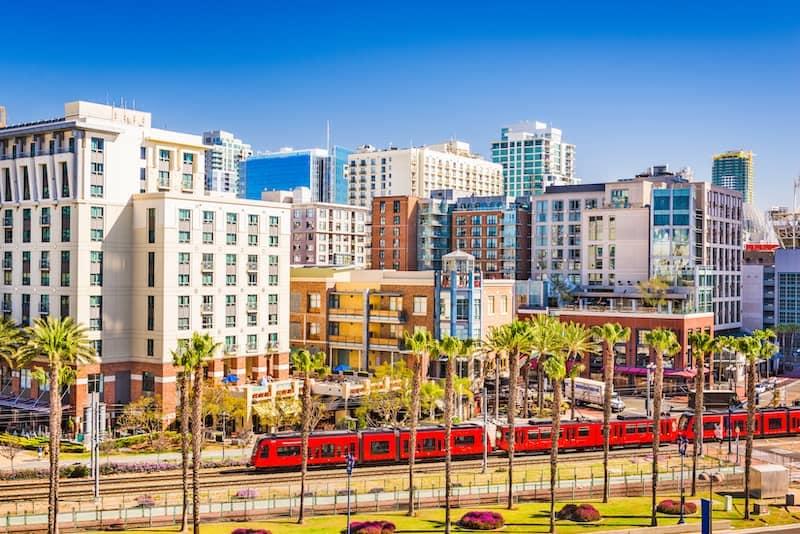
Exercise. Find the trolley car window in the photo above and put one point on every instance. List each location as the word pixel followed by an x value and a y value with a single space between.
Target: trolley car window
pixel 380 447
pixel 630 429
pixel 288 451
pixel 712 425
pixel 264 452
pixel 544 433
pixel 465 440
pixel 583 432
pixel 429 444
pixel 774 424
pixel 327 451
pixel 533 435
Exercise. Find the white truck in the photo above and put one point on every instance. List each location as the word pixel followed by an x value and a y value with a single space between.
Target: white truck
pixel 591 392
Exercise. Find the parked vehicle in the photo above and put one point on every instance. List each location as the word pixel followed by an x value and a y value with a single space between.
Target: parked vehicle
pixel 718 398
pixel 591 392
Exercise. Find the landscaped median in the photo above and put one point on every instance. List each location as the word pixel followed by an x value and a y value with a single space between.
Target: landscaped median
pixel 621 514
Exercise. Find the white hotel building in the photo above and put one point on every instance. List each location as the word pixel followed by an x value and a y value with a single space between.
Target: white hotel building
pixel 107 220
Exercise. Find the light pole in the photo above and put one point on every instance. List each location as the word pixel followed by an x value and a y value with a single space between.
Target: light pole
pixel 484 409
pixel 737 444
pixel 224 416
pixel 351 463
pixel 683 443
pixel 730 422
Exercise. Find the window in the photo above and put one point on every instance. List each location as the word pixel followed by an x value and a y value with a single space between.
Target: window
pixel 208 217
pixel 184 236
pixel 66 219
pixel 95 312
pixel 273 280
pixel 151 312
pixel 464 441
pixel 151 350
pixel 97 144
pixel 64 179
pixel 379 447
pixel 230 239
pixel 288 451
pixel 151 269
pixel 208 279
pixel 183 280
pixel 148 381
pixel 151 225
pixel 65 270
pixel 420 305
pixel 96 268
pixel 184 215
pixel 230 279
pixel 208 238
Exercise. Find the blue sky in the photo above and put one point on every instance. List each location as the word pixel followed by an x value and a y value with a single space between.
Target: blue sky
pixel 630 83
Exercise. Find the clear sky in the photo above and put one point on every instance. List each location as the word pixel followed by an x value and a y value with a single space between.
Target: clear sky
pixel 630 83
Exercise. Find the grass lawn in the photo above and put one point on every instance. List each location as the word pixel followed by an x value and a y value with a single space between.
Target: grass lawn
pixel 528 517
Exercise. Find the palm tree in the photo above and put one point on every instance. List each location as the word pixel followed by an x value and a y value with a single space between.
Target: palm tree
pixel 306 364
pixel 197 352
pixel 462 386
pixel 10 341
pixel 577 342
pixel 661 341
pixel 497 360
pixel 181 361
pixel 610 334
pixel 702 344
pixel 515 340
pixel 757 346
pixel 419 344
pixel 64 344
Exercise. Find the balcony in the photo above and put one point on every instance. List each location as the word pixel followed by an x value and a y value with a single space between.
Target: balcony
pixel 354 314
pixel 252 347
pixel 385 343
pixel 252 266
pixel 252 306
pixel 387 316
pixel 207 308
pixel 231 349
pixel 346 342
pixel 163 182
pixel 44 264
pixel 207 266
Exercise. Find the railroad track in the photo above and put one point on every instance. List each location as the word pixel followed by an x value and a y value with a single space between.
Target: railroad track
pixel 114 485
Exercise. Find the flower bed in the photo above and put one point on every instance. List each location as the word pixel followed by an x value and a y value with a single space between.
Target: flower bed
pixel 481 520
pixel 246 494
pixel 671 507
pixel 250 531
pixel 371 527
pixel 580 513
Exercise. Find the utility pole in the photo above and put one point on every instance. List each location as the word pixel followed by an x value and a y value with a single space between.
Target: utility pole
pixel 484 409
pixel 95 427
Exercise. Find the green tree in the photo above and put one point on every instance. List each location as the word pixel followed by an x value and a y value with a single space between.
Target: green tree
pixel 280 413
pixel 609 334
pixel 654 292
pixel 219 401
pixel 199 350
pixel 449 348
pixel 11 339
pixel 661 341
pixel 430 394
pixel 577 342
pixel 755 347
pixel 306 364
pixel 184 374
pixel 63 344
pixel 703 344
pixel 554 366
pixel 420 344
pixel 143 414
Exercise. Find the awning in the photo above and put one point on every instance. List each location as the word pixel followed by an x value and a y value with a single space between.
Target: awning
pixel 642 371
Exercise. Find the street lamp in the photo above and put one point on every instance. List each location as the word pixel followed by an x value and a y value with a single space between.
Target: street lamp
pixel 650 368
pixel 683 443
pixel 731 373
pixel 350 464
pixel 730 422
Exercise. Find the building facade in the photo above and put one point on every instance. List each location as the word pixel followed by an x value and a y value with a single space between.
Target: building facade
pixel 758 288
pixel 417 171
pixel 734 170
pixel 534 157
pixel 107 220
pixel 394 232
pixel 224 156
pixel 324 234
pixel 496 231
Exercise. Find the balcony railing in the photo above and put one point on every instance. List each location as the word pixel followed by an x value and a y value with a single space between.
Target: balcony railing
pixel 346 340
pixel 382 315
pixel 231 349
pixel 393 343
pixel 207 308
pixel 251 347
pixel 345 311
pixel 252 266
pixel 207 265
pixel 252 306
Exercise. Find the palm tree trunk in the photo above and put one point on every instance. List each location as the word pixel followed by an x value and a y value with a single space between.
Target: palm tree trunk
pixel 554 451
pixel 184 398
pixel 197 441
pixel 412 437
pixel 526 371
pixel 751 420
pixel 497 389
pixel 572 394
pixel 608 375
pixel 698 416
pixel 657 392
pixel 305 431
pixel 448 430
pixel 540 388
pixel 513 376
pixel 55 442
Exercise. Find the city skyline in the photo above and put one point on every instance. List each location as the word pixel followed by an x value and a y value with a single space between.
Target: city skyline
pixel 630 86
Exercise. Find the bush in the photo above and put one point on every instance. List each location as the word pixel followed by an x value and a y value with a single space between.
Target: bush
pixel 671 507
pixel 250 531
pixel 75 471
pixel 581 513
pixel 481 520
pixel 371 527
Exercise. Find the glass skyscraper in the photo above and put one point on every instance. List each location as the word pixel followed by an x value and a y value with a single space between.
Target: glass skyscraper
pixel 533 157
pixel 734 170
pixel 315 168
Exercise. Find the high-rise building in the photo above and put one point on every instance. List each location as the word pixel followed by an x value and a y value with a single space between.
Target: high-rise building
pixel 107 220
pixel 394 232
pixel 324 234
pixel 417 171
pixel 223 157
pixel 323 171
pixel 734 170
pixel 534 157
